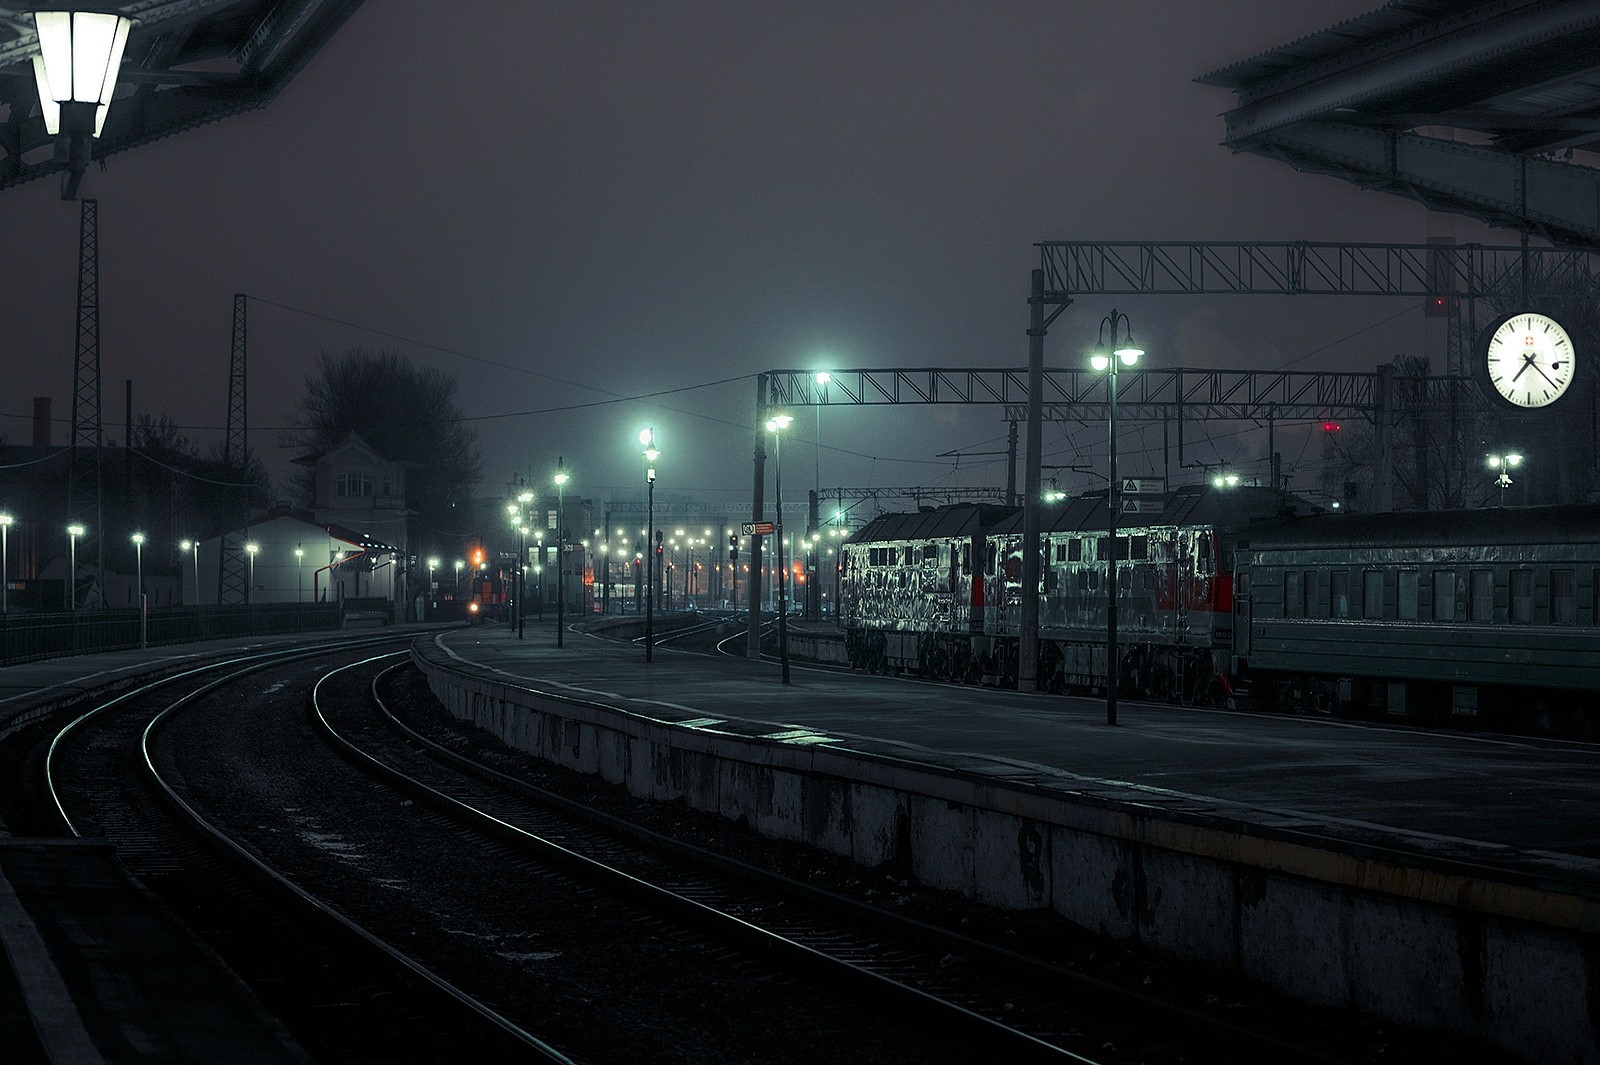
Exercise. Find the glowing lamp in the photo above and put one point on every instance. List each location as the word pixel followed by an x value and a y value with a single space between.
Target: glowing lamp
pixel 76 73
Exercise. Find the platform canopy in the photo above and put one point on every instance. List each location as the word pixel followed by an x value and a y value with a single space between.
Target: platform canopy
pixel 1487 108
pixel 186 63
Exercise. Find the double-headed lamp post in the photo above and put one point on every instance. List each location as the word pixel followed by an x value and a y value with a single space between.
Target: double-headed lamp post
pixel 5 559
pixel 73 532
pixel 1504 462
pixel 647 440
pixel 561 479
pixel 776 425
pixel 1124 352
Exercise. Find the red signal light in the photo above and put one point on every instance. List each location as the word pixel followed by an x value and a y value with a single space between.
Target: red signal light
pixel 1331 427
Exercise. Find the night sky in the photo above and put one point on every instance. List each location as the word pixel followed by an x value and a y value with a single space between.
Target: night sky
pixel 567 205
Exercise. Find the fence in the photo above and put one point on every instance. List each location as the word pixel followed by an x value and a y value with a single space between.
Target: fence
pixel 31 637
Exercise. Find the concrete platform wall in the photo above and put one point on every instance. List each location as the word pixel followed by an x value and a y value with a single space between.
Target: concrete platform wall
pixel 1456 951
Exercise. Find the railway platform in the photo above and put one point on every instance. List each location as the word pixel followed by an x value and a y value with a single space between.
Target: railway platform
pixel 1446 880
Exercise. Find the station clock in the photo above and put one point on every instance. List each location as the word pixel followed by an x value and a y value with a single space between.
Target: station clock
pixel 1527 360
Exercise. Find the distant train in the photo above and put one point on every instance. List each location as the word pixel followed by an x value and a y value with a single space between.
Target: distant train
pixel 1248 596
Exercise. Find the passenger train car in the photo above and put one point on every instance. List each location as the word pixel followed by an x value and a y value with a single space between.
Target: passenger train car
pixel 1477 616
pixel 1252 597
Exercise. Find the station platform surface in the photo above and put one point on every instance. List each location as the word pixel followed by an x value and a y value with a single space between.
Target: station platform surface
pixel 93 969
pixel 1514 807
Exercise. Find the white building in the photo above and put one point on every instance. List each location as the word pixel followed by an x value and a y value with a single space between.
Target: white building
pixel 300 560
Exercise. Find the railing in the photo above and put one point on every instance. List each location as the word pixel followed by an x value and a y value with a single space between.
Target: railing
pixel 32 637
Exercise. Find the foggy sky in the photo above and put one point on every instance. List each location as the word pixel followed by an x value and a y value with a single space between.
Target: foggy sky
pixel 578 202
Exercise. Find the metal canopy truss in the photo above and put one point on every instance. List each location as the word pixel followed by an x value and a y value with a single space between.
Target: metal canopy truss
pixel 1473 107
pixel 1149 395
pixel 187 63
pixel 1291 268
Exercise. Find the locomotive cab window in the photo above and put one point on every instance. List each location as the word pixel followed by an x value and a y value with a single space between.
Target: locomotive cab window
pixel 1202 562
pixel 966 559
pixel 1139 548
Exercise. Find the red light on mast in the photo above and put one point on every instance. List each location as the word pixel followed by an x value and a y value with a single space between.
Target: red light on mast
pixel 1331 427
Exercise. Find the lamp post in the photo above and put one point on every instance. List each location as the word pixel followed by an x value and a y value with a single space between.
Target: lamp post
pixel 1504 462
pixel 1124 353
pixel 5 559
pixel 193 547
pixel 538 569
pixel 73 532
pixel 76 73
pixel 300 575
pixel 459 565
pixel 251 550
pixel 561 545
pixel 138 561
pixel 776 425
pixel 433 605
pixel 524 500
pixel 647 440
pixel 813 591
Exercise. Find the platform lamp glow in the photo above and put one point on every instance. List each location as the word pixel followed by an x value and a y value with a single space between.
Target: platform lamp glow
pixel 647 440
pixel 80 52
pixel 776 425
pixel 561 479
pixel 1123 352
pixel 138 563
pixel 6 521
pixel 300 574
pixel 1504 462
pixel 73 532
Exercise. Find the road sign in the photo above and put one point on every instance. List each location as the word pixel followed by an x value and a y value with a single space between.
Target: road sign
pixel 759 528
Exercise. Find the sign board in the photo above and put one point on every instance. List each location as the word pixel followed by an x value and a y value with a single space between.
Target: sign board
pixel 1144 486
pixel 759 528
pixel 1142 506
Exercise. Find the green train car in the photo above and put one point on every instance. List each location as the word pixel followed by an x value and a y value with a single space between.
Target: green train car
pixel 1486 618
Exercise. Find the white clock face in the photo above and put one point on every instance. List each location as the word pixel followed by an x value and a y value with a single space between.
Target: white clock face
pixel 1530 360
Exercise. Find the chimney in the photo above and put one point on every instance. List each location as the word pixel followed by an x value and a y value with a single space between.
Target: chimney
pixel 41 421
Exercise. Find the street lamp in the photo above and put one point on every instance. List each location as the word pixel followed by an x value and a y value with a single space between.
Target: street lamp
pixel 300 574
pixel 138 556
pixel 459 564
pixel 5 558
pixel 776 425
pixel 433 605
pixel 647 440
pixel 76 72
pixel 1504 463
pixel 561 544
pixel 73 532
pixel 813 598
pixel 251 550
pixel 1124 353
pixel 193 546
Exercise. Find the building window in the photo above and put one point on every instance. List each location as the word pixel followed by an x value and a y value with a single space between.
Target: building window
pixel 1293 595
pixel 386 486
pixel 1521 612
pixel 1480 595
pixel 1406 606
pixel 1074 550
pixel 1563 597
pixel 1339 593
pixel 353 484
pixel 1061 551
pixel 1444 595
pixel 1372 594
pixel 1308 606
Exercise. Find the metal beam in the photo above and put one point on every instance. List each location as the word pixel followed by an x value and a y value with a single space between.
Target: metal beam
pixel 1296 268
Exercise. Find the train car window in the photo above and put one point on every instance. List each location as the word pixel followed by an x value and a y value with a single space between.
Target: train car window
pixel 1139 548
pixel 930 552
pixel 1202 562
pixel 1563 597
pixel 988 566
pixel 1372 594
pixel 1308 605
pixel 1339 593
pixel 1406 606
pixel 966 559
pixel 1293 595
pixel 1074 550
pixel 1521 612
pixel 1480 595
pixel 1444 595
